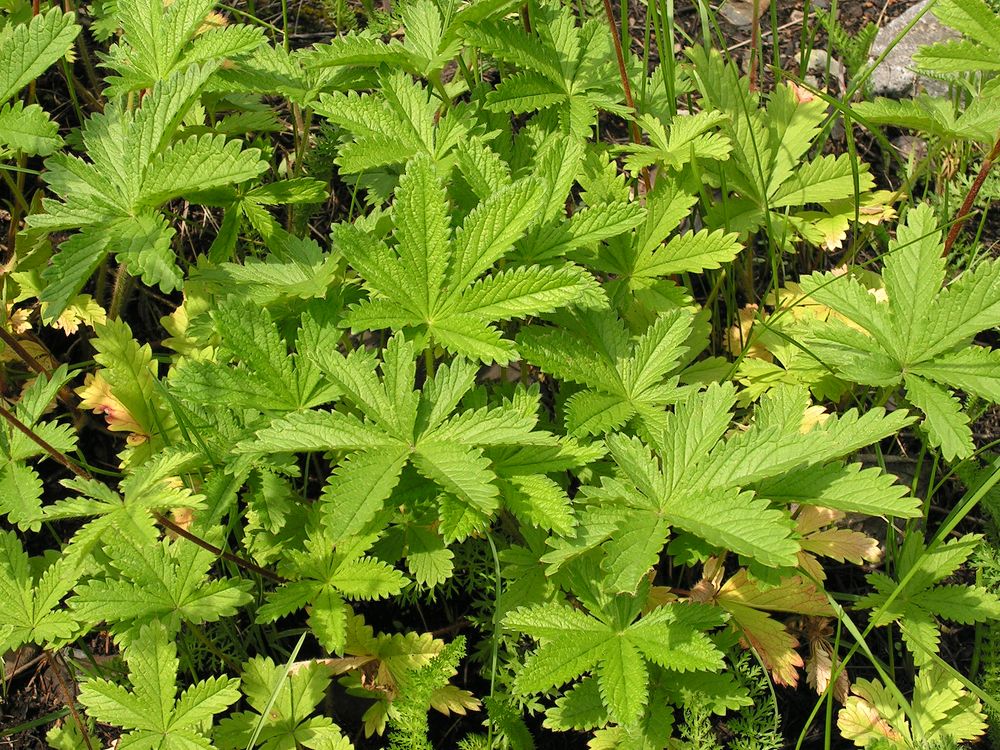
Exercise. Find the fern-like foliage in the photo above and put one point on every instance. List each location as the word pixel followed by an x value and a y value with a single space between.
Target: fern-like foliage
pixel 134 168
pixel 920 337
pixel 439 283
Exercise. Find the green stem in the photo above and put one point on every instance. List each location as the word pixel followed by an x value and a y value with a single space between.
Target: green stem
pixel 429 360
pixel 120 292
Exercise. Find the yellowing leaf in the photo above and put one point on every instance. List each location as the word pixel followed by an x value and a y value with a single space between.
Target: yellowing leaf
pixel 819 666
pixel 794 595
pixel 83 310
pixel 843 544
pixel 772 642
pixel 738 336
pixel 860 722
pixel 748 605
pixel 453 700
pixel 95 394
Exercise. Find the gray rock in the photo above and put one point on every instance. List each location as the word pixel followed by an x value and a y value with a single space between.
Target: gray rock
pixel 895 77
pixel 820 60
pixel 816 71
pixel 740 12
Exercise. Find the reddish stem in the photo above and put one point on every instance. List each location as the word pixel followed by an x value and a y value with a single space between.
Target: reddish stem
pixel 194 539
pixel 970 198
pixel 636 135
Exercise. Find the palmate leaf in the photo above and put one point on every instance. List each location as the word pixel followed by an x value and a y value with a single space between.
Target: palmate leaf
pixel 152 712
pixel 428 281
pixel 402 426
pixel 921 602
pixel 269 378
pixel 942 710
pixel 699 482
pixel 393 125
pixel 573 642
pixel 32 611
pixel 562 66
pixel 20 484
pixel 162 582
pixel 920 337
pixel 113 203
pixel 322 578
pixel 288 718
pixel 622 378
pixel 769 171
pixel 159 40
pixel 688 139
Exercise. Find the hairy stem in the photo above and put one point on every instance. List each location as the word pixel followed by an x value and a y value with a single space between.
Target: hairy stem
pixel 218 552
pixel 626 87
pixel 119 292
pixel 69 700
pixel 970 198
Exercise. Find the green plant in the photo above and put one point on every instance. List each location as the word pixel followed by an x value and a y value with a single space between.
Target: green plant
pixel 429 401
pixel 26 50
pixel 974 19
pixel 920 337
pixel 152 712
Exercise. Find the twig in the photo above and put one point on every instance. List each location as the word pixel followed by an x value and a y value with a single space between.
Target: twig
pixel 636 135
pixel 23 353
pixel 194 539
pixel 163 520
pixel 69 699
pixel 56 455
pixel 64 393
pixel 970 198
